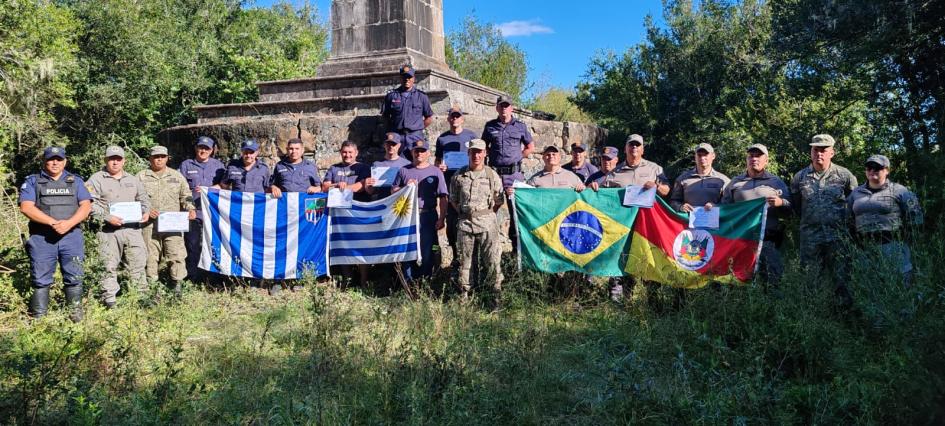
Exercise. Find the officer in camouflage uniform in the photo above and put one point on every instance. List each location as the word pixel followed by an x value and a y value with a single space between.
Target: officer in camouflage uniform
pixel 119 240
pixel 883 211
pixel 476 193
pixel 169 192
pixel 819 194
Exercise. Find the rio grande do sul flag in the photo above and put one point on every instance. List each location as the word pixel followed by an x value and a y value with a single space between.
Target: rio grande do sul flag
pixel 664 249
pixel 563 230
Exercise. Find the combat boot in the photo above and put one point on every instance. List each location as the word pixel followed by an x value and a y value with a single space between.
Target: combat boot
pixel 39 302
pixel 74 302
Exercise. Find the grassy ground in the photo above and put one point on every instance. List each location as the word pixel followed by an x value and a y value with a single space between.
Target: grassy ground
pixel 327 356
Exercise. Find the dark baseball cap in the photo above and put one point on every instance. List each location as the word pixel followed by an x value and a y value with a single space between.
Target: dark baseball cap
pixel 420 144
pixel 54 151
pixel 610 152
pixel 455 110
pixel 249 144
pixel 393 138
pixel 879 160
pixel 407 71
pixel 578 145
pixel 205 141
pixel 504 99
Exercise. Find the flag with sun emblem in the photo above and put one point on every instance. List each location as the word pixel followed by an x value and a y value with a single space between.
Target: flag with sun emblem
pixel 382 231
pixel 563 230
pixel 666 250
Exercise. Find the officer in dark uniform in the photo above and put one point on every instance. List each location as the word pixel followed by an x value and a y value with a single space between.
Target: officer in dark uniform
pixel 202 170
pixel 407 110
pixel 508 142
pixel 55 201
pixel 247 174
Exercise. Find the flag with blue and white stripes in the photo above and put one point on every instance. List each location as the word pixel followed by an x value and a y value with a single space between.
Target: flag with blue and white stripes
pixel 253 235
pixel 382 231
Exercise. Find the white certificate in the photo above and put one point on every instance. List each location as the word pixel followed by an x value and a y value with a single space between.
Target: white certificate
pixel 340 199
pixel 384 176
pixel 173 222
pixel 635 195
pixel 128 212
pixel 701 218
pixel 520 184
pixel 455 160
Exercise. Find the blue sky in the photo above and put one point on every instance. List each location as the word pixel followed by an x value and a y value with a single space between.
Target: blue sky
pixel 558 37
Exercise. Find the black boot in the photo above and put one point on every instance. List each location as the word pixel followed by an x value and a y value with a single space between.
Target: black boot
pixel 39 302
pixel 74 302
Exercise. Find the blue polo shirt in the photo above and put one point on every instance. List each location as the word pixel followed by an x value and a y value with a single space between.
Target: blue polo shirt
pixel 295 177
pixel 450 142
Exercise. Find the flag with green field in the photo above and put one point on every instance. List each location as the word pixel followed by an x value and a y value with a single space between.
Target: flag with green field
pixel 664 249
pixel 563 230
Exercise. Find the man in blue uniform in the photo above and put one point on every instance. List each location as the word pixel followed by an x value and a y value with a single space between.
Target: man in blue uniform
pixel 55 201
pixel 579 164
pixel 247 174
pixel 349 174
pixel 392 160
pixel 508 142
pixel 455 139
pixel 202 170
pixel 407 110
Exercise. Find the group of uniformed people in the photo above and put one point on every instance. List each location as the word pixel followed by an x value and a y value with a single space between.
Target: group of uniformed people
pixel 464 200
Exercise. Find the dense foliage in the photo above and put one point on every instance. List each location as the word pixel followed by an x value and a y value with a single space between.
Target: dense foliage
pixel 478 52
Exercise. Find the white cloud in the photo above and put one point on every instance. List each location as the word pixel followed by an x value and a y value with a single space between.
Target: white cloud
pixel 523 28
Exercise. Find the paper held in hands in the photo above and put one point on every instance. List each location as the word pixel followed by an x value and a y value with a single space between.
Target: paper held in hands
pixel 702 218
pixel 340 199
pixel 384 176
pixel 128 212
pixel 173 222
pixel 455 160
pixel 635 195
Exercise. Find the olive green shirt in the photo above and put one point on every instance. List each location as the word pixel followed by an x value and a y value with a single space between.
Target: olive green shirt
pixel 821 200
pixel 168 190
pixel 475 195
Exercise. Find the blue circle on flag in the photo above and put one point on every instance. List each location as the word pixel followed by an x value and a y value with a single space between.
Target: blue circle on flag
pixel 580 232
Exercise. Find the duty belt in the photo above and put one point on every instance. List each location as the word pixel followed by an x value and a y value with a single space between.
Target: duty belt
pixel 475 214
pixel 507 170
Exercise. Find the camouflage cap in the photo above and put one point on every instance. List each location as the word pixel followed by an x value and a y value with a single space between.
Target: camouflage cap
pixel 54 151
pixel 504 99
pixel 822 140
pixel 114 151
pixel 610 152
pixel 705 147
pixel 635 138
pixel 758 147
pixel 879 160
pixel 476 144
pixel 158 150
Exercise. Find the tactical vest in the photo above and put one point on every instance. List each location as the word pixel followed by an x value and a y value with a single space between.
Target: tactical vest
pixel 56 198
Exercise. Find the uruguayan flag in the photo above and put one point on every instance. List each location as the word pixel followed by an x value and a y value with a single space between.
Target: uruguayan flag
pixel 253 235
pixel 382 231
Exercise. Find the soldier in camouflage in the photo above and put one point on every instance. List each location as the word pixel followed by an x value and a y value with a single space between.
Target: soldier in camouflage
pixel 476 193
pixel 819 194
pixel 882 210
pixel 169 192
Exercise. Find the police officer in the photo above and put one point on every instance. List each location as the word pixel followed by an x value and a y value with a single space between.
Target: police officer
pixel 431 198
pixel 407 109
pixel 349 174
pixel 553 175
pixel 202 170
pixel 293 174
pixel 579 163
pixel 700 186
pixel 453 140
pixel 756 183
pixel 883 211
pixel 247 174
pixel 508 142
pixel 56 202
pixel 119 241
pixel 819 194
pixel 392 160
pixel 168 192
pixel 476 193
pixel 608 163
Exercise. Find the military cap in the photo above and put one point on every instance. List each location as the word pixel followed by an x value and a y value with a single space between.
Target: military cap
pixel 610 152
pixel 205 141
pixel 705 147
pixel 822 140
pixel 455 110
pixel 476 144
pixel 114 151
pixel 758 147
pixel 635 138
pixel 407 71
pixel 249 144
pixel 550 148
pixel 393 138
pixel 578 145
pixel 158 150
pixel 54 151
pixel 420 144
pixel 504 99
pixel 879 160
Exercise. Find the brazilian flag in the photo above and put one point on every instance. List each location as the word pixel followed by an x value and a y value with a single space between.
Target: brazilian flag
pixel 563 230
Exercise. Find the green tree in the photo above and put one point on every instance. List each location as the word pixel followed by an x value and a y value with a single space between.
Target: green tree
pixel 478 52
pixel 557 101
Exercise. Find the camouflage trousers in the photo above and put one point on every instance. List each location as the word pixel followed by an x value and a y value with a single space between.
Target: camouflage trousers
pixel 829 257
pixel 124 245
pixel 486 248
pixel 166 246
